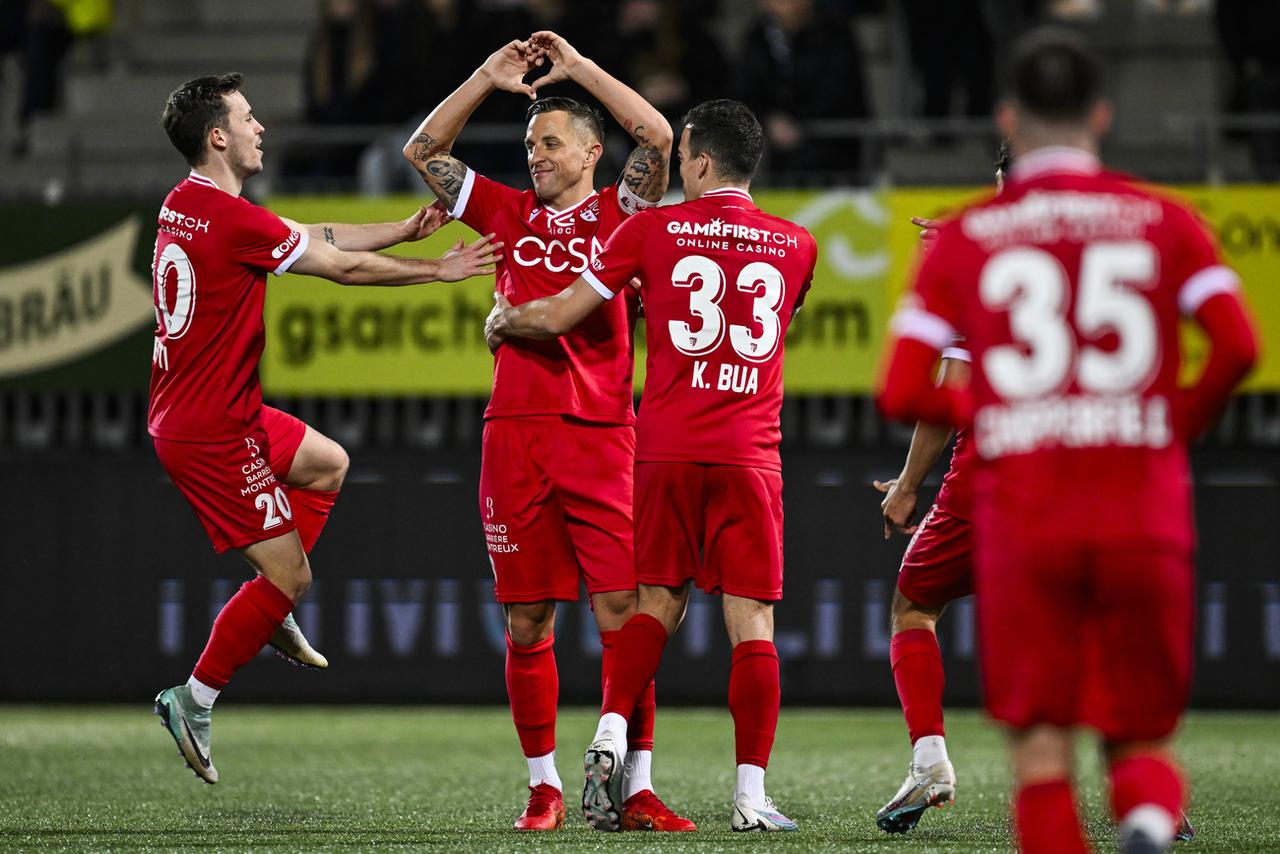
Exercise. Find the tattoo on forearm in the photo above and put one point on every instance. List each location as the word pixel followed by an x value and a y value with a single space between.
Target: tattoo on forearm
pixel 328 236
pixel 445 176
pixel 424 146
pixel 646 173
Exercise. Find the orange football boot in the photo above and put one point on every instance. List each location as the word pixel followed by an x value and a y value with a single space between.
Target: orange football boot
pixel 645 811
pixel 545 810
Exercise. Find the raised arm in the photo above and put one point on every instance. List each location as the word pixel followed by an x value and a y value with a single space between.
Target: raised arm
pixel 373 268
pixel 646 171
pixel 428 149
pixel 376 235
pixel 547 317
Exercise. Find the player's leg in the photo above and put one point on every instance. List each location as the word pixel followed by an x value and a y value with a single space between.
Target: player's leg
pixel 240 631
pixel 312 464
pixel 594 477
pixel 937 568
pixel 1045 817
pixel 533 567
pixel 314 467
pixel 743 563
pixel 1034 598
pixel 636 656
pixel 755 696
pixel 237 498
pixel 1145 611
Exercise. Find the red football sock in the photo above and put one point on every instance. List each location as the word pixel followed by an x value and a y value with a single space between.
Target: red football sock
pixel 533 686
pixel 1146 780
pixel 1045 820
pixel 637 652
pixel 310 513
pixel 755 693
pixel 917 671
pixel 243 627
pixel 640 724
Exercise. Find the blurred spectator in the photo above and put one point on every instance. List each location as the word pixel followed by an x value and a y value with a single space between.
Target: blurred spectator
pixel 48 29
pixel 800 63
pixel 665 50
pixel 951 50
pixel 1248 31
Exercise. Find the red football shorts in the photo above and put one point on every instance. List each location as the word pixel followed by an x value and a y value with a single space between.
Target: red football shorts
pixel 1090 635
pixel 284 437
pixel 719 525
pixel 937 566
pixel 555 501
pixel 232 488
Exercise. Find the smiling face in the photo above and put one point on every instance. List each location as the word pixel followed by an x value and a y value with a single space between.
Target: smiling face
pixel 240 142
pixel 562 157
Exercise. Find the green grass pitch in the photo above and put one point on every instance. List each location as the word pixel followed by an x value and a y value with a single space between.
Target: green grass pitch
pixel 323 778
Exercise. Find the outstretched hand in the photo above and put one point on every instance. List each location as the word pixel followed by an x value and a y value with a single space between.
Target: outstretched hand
pixel 493 333
pixel 544 46
pixel 427 220
pixel 898 507
pixel 507 66
pixel 463 262
pixel 930 227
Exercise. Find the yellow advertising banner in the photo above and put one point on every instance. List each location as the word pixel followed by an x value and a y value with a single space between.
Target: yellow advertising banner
pixel 324 339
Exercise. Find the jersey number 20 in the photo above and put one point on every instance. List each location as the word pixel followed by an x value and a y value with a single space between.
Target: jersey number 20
pixel 757 278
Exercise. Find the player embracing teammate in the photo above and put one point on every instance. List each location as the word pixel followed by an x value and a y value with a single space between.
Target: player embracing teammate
pixel 1068 289
pixel 559 435
pixel 720 280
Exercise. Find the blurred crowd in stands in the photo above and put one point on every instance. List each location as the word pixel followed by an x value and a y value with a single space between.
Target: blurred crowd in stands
pixel 800 64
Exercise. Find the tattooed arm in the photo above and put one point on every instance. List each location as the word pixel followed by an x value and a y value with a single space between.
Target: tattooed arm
pixel 429 146
pixel 353 237
pixel 646 171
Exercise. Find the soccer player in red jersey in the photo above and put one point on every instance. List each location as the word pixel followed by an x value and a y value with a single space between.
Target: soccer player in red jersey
pixel 259 480
pixel 720 280
pixel 937 569
pixel 559 436
pixel 1068 288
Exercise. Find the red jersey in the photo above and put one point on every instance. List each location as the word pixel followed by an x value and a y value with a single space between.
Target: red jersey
pixel 1068 288
pixel 585 373
pixel 209 274
pixel 955 495
pixel 720 280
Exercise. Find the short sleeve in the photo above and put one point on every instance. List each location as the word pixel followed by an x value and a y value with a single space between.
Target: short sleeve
pixel 812 266
pixel 621 257
pixel 264 241
pixel 480 201
pixel 927 313
pixel 1198 271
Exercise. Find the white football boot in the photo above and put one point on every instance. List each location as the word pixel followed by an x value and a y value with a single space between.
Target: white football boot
pixel 934 786
pixel 763 816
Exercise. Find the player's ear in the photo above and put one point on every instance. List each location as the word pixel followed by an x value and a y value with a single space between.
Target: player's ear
pixel 1007 119
pixel 593 153
pixel 1100 118
pixel 218 139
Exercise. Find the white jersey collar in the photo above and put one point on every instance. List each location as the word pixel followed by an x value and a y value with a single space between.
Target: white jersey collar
pixel 1054 158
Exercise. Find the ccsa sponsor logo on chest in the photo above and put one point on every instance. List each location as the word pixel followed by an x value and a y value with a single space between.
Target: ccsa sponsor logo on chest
pixel 557 256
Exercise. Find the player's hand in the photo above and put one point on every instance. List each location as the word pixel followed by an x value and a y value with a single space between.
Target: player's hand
pixel 426 221
pixel 463 262
pixel 930 227
pixel 564 57
pixel 494 333
pixel 507 66
pixel 898 507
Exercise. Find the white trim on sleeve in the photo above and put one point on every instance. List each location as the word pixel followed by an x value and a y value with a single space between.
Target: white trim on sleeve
pixel 960 354
pixel 295 254
pixel 1207 283
pixel 629 202
pixel 594 281
pixel 922 326
pixel 468 182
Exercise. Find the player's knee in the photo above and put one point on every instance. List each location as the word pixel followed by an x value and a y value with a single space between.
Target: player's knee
pixel 613 608
pixel 334 472
pixel 530 622
pixel 906 615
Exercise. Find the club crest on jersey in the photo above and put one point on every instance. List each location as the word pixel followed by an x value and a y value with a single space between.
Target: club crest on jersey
pixel 592 212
